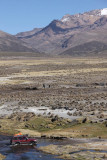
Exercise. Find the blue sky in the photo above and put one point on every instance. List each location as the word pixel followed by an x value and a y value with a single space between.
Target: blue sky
pixel 24 15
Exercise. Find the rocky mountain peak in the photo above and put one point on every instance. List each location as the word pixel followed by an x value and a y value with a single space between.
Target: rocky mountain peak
pixel 55 27
pixel 66 18
pixel 98 12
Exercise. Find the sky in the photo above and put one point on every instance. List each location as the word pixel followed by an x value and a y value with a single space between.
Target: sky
pixel 24 15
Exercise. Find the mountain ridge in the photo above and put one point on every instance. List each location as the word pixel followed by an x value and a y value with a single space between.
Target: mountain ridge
pixel 70 31
pixel 59 35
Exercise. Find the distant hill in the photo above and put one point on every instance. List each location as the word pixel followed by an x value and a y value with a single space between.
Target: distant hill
pixel 90 48
pixel 9 43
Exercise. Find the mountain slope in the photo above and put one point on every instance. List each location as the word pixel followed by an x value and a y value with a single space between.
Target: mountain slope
pixel 70 31
pixel 28 33
pixel 90 48
pixel 9 43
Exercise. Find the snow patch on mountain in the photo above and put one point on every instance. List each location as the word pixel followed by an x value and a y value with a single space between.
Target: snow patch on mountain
pixel 65 19
pixel 104 12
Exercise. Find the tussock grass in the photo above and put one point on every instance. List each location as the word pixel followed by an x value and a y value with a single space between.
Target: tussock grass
pixel 60 128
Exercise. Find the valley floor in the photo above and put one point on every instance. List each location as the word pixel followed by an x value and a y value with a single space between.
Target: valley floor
pixel 67 95
pixel 75 86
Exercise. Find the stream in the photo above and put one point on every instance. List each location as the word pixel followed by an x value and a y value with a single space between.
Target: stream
pixel 25 152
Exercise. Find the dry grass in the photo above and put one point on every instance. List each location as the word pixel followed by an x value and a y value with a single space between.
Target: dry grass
pixel 2 157
pixel 63 151
pixel 61 61
pixel 30 132
pixel 25 71
pixel 81 130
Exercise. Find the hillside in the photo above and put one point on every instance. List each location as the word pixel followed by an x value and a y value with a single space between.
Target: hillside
pixel 28 33
pixel 90 48
pixel 9 43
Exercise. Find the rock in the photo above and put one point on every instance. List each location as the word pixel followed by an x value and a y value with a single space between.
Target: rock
pixel 93 113
pixel 57 137
pixel 55 118
pixel 26 125
pixel 21 116
pixel 75 114
pixel 84 120
pixel 80 113
pixel 31 88
pixel 43 136
pixel 100 116
pixel 70 114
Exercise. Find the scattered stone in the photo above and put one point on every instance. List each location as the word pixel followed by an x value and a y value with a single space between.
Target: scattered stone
pixel 84 120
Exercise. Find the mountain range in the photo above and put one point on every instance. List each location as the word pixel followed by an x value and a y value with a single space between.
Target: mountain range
pixel 77 34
